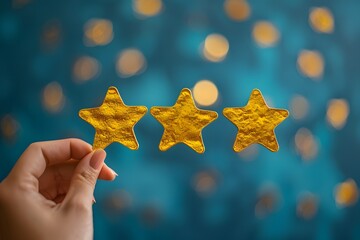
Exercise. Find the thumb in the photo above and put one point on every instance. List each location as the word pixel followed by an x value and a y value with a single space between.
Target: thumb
pixel 81 190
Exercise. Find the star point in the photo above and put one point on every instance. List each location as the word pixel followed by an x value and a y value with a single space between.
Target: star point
pixel 256 123
pixel 114 121
pixel 183 122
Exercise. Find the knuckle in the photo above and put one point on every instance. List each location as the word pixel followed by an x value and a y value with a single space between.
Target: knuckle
pixel 77 205
pixel 88 177
pixel 34 145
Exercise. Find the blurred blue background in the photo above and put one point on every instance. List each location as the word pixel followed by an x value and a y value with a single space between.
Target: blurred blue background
pixel 57 57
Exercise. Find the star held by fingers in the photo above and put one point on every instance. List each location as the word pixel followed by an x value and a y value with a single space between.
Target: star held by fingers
pixel 114 121
pixel 256 123
pixel 183 122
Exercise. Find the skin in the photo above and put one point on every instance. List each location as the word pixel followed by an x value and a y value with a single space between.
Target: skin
pixel 49 192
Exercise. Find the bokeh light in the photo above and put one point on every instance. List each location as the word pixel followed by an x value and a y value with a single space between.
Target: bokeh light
pixel 20 3
pixel 98 32
pixel 205 93
pixel 204 182
pixel 299 107
pixel 321 20
pixel 51 35
pixel 249 153
pixel 266 203
pixel 265 34
pixel 130 62
pixel 306 144
pixel 53 99
pixel 237 10
pixel 307 206
pixel 311 64
pixel 147 8
pixel 85 69
pixel 337 112
pixel 9 127
pixel 346 193
pixel 215 47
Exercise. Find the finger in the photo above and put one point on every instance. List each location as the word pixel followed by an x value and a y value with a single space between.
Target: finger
pixel 81 190
pixel 107 173
pixel 39 155
pixel 56 179
pixel 54 175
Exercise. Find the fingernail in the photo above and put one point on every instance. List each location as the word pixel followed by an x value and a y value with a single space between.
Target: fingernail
pixel 93 200
pixel 114 173
pixel 97 159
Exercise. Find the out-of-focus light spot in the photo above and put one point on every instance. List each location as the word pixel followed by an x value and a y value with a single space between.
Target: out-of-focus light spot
pixel 249 153
pixel 346 193
pixel 51 34
pixel 299 107
pixel 53 98
pixel 265 34
pixel 130 62
pixel 9 127
pixel 205 93
pixel 337 112
pixel 20 3
pixel 151 215
pixel 204 182
pixel 117 202
pixel 147 8
pixel 237 10
pixel 311 64
pixel 98 32
pixel 307 206
pixel 266 203
pixel 86 68
pixel 321 20
pixel 305 143
pixel 215 47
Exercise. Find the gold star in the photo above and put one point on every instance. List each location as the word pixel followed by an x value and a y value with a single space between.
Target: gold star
pixel 114 121
pixel 183 122
pixel 256 122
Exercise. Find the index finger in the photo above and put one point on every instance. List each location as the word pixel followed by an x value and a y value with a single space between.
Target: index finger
pixel 40 155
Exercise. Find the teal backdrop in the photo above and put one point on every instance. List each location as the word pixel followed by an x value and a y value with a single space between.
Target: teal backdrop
pixel 54 61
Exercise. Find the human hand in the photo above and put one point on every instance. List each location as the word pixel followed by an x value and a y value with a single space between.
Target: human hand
pixel 49 192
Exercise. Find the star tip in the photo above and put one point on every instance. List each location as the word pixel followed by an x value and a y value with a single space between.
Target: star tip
pixel 187 90
pixel 256 91
pixel 200 151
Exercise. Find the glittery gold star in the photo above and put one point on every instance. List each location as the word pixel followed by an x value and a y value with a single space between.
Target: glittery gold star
pixel 114 121
pixel 183 122
pixel 256 123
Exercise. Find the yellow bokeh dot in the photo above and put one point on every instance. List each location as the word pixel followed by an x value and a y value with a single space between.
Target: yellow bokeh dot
pixel 237 10
pixel 321 20
pixel 311 64
pixel 98 32
pixel 306 145
pixel 130 62
pixel 9 127
pixel 205 93
pixel 147 8
pixel 307 206
pixel 346 193
pixel 299 107
pixel 337 112
pixel 204 182
pixel 215 47
pixel 265 34
pixel 86 68
pixel 53 99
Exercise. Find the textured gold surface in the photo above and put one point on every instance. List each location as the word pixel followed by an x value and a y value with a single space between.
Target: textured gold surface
pixel 114 121
pixel 256 122
pixel 183 122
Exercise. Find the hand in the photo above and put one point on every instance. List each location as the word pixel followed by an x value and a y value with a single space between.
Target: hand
pixel 49 192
